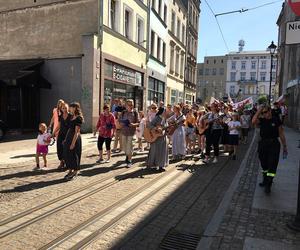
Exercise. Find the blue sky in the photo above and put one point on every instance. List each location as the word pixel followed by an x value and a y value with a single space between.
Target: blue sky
pixel 257 27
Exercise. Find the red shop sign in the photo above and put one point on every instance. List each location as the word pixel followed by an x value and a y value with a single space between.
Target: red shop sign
pixel 295 5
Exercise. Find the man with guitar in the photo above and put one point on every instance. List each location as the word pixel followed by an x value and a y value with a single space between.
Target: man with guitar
pixel 158 154
pixel 213 132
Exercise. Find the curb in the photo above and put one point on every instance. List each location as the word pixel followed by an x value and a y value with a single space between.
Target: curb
pixel 211 230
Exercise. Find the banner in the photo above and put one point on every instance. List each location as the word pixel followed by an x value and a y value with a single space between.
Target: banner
pixel 246 104
pixel 229 99
pixel 213 100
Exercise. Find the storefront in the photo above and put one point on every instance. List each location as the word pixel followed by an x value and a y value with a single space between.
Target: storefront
pixel 122 82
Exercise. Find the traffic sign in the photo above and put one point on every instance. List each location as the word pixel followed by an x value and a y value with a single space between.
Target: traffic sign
pixel 292 33
pixel 295 5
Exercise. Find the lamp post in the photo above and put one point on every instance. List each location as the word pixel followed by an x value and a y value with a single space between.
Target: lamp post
pixel 272 49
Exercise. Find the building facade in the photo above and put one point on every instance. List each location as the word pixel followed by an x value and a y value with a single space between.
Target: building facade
pixel 176 51
pixel 248 74
pixel 190 79
pixel 124 51
pixel 289 67
pixel 156 66
pixel 211 78
pixel 47 53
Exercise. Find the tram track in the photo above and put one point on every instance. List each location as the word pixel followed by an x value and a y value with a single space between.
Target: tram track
pixel 111 222
pixel 28 213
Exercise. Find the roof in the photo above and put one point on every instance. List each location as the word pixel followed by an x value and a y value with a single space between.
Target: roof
pixel 254 52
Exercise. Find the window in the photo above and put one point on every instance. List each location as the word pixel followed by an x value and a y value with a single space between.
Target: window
pixel 140 32
pixel 273 76
pixel 207 62
pixel 243 65
pixel 274 65
pixel 159 7
pixel 243 76
pixel 153 4
pixel 127 24
pixel 263 76
pixel 233 65
pixel 221 71
pixel 183 34
pixel 158 48
pixel 200 72
pixel 156 90
pixel 173 22
pixel 207 72
pixel 262 89
pixel 177 62
pixel 152 45
pixel 253 65
pixel 172 55
pixel 182 65
pixel 263 64
pixel 165 13
pixel 164 53
pixel 174 94
pixel 214 71
pixel 178 28
pixel 233 76
pixel 252 76
pixel 232 89
pixel 113 12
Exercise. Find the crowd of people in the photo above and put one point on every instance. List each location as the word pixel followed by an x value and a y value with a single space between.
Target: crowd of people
pixel 178 130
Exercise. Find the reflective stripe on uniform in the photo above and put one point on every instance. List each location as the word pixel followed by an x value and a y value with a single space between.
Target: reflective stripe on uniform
pixel 271 174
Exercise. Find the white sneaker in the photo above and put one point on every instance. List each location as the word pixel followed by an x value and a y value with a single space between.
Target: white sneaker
pixel 215 160
pixel 129 164
pixel 107 161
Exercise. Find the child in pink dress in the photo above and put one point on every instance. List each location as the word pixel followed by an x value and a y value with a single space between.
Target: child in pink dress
pixel 43 140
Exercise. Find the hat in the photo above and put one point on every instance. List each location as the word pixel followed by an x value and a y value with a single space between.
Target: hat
pixel 201 109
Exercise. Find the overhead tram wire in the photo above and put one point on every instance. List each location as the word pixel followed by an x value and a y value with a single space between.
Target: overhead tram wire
pixel 223 37
pixel 249 9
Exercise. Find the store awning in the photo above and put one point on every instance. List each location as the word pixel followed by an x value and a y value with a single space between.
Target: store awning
pixel 23 72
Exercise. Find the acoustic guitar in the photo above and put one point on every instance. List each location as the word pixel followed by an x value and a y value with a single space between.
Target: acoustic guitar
pixel 152 134
pixel 205 126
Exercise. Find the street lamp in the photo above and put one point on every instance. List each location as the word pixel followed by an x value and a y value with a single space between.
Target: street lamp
pixel 272 49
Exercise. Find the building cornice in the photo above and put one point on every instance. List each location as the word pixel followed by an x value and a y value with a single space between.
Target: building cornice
pixel 177 40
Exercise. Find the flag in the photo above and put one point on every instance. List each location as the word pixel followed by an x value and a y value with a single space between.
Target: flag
pixel 246 104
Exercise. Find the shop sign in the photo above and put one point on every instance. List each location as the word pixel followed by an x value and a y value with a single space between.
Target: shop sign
pixel 127 75
pixel 295 6
pixel 292 33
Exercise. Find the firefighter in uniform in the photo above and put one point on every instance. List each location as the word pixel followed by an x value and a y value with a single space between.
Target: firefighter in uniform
pixel 269 145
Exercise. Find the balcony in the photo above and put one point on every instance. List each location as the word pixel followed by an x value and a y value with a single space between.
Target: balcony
pixel 247 82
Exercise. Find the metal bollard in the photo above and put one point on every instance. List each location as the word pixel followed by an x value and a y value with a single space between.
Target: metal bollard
pixel 295 225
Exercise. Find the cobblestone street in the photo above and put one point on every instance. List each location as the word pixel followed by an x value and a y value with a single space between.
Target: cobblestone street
pixel 110 206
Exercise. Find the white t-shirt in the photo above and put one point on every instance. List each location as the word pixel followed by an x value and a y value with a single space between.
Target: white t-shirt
pixel 43 138
pixel 232 124
pixel 140 128
pixel 245 121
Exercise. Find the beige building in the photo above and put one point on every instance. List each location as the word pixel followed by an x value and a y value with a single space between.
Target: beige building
pixel 176 51
pixel 124 50
pixel 190 79
pixel 211 79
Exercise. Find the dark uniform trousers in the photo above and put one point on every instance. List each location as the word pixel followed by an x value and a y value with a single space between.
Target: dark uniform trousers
pixel 268 153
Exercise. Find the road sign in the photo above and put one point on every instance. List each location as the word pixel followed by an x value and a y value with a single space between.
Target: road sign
pixel 295 5
pixel 292 33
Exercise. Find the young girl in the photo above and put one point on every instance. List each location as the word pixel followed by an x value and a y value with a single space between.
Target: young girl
pixel 140 131
pixel 43 140
pixel 233 139
pixel 190 123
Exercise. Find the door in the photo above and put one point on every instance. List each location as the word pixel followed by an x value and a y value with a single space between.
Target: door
pixel 14 107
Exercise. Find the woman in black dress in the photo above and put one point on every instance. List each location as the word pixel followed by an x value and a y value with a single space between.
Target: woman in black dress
pixel 72 144
pixel 63 126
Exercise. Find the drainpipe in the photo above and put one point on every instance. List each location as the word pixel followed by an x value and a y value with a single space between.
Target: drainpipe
pixel 100 42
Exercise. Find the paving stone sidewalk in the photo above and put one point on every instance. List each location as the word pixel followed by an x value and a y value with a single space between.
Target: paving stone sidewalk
pixel 256 221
